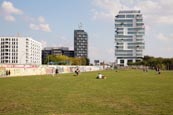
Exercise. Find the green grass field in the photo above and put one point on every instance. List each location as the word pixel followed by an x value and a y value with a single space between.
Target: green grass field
pixel 126 92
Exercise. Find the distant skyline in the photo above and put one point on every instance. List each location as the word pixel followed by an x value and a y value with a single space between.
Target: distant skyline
pixel 52 22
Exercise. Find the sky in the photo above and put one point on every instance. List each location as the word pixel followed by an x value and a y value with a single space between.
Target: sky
pixel 52 22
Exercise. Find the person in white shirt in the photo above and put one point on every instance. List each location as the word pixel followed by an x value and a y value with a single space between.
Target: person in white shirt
pixel 100 76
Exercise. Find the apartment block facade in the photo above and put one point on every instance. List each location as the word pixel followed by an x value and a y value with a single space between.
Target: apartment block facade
pixel 20 50
pixel 129 37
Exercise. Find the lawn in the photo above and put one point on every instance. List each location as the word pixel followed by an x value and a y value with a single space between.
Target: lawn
pixel 126 92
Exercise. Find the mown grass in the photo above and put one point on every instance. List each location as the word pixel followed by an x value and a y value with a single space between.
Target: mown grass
pixel 126 92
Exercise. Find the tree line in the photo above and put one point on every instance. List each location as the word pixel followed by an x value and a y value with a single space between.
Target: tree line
pixel 153 62
pixel 65 60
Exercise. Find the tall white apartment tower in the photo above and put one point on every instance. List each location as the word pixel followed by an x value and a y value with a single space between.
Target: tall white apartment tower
pixel 129 33
pixel 19 50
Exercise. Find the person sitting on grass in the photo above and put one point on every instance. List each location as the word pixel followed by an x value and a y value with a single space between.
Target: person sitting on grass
pixel 100 76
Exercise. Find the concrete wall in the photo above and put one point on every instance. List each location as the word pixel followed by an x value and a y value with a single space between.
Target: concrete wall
pixel 26 70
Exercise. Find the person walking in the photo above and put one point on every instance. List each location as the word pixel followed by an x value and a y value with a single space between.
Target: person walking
pixel 56 71
pixel 77 71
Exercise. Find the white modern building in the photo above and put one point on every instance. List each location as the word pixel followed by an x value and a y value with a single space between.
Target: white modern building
pixel 129 33
pixel 19 50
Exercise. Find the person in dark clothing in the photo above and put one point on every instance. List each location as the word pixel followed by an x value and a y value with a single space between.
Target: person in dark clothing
pixel 77 71
pixel 9 72
pixel 56 71
pixel 6 72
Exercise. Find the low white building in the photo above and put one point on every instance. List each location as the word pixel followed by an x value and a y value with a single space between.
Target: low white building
pixel 19 50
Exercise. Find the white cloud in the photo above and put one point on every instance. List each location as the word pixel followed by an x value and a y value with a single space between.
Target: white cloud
pixel 42 27
pixel 34 27
pixel 165 19
pixel 41 19
pixel 159 11
pixel 9 18
pixel 45 27
pixel 101 15
pixel 39 24
pixel 163 37
pixel 8 11
pixel 167 6
pixel 148 6
pixel 9 8
pixel 106 9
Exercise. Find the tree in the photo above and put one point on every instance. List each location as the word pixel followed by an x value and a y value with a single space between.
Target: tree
pixel 76 61
pixel 167 63
pixel 62 59
pixel 83 60
pixel 50 58
pixel 65 60
pixel 87 61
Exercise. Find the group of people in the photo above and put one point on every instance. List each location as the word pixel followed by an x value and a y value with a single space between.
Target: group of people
pixel 55 71
pixel 77 72
pixel 157 69
pixel 8 72
pixel 99 76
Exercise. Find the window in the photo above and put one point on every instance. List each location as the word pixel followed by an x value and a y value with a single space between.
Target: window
pixel 124 20
pixel 120 16
pixel 129 16
pixel 121 61
pixel 139 20
pixel 130 61
pixel 139 24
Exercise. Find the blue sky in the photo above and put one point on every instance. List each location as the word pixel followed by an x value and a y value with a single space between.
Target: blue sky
pixel 52 22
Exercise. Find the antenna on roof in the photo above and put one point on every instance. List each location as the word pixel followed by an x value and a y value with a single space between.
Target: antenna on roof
pixel 80 25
